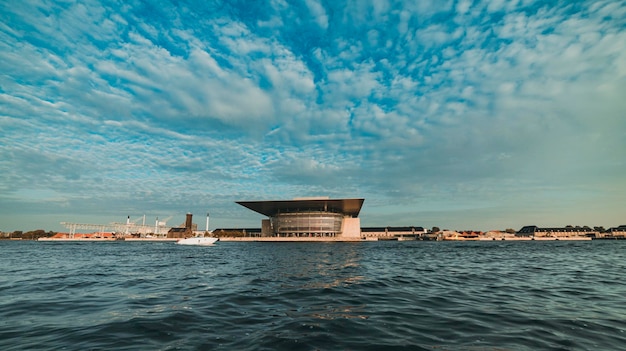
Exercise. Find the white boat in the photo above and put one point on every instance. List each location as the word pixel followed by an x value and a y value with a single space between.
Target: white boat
pixel 197 240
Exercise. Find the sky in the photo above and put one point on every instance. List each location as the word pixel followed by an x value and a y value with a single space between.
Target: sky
pixel 461 114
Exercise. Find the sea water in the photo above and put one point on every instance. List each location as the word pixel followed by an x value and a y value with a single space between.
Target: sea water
pixel 313 296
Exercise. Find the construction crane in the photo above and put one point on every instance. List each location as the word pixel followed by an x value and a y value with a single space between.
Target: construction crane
pixel 73 226
pixel 130 227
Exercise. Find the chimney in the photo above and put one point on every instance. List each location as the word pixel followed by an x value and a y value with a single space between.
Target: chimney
pixel 188 221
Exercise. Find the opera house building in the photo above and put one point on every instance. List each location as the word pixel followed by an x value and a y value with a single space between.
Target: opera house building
pixel 309 217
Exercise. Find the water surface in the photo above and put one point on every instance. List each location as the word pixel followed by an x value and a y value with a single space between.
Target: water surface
pixel 313 296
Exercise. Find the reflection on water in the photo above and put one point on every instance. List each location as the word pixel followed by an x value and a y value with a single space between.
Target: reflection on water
pixel 331 284
pixel 333 312
pixel 315 266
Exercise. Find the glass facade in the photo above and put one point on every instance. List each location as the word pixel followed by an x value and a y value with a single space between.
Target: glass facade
pixel 304 224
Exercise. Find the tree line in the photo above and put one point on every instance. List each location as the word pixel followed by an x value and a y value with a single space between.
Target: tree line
pixel 29 235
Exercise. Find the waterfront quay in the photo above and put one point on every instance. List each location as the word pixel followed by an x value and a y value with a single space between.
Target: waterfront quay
pixel 90 239
pixel 339 239
pixel 321 239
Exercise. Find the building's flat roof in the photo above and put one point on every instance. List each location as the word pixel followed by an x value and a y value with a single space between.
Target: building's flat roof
pixel 350 207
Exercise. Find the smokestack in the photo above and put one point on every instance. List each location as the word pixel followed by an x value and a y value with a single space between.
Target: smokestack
pixel 188 221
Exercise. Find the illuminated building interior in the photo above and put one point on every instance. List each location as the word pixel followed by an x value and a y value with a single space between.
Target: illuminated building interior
pixel 309 217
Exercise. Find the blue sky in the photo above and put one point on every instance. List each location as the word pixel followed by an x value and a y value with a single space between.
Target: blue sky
pixel 458 114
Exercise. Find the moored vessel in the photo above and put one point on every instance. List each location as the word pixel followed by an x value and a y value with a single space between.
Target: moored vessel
pixel 197 240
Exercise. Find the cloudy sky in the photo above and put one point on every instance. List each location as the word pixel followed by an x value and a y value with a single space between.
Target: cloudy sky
pixel 462 114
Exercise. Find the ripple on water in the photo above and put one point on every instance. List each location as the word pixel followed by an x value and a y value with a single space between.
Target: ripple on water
pixel 295 296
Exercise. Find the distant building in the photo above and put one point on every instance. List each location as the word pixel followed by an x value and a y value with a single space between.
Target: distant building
pixel 183 232
pixel 237 232
pixel 309 217
pixel 558 232
pixel 618 232
pixel 96 235
pixel 392 232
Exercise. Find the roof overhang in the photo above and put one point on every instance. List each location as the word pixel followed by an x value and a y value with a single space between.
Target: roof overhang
pixel 349 207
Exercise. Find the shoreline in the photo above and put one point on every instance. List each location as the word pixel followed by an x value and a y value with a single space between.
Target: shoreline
pixel 110 239
pixel 283 239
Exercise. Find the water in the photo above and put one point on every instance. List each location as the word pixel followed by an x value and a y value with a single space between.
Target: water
pixel 313 296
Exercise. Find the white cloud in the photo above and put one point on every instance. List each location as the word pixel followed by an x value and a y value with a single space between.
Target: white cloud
pixel 318 12
pixel 496 5
pixel 463 6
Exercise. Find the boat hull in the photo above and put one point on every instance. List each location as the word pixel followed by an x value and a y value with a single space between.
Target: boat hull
pixel 197 241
